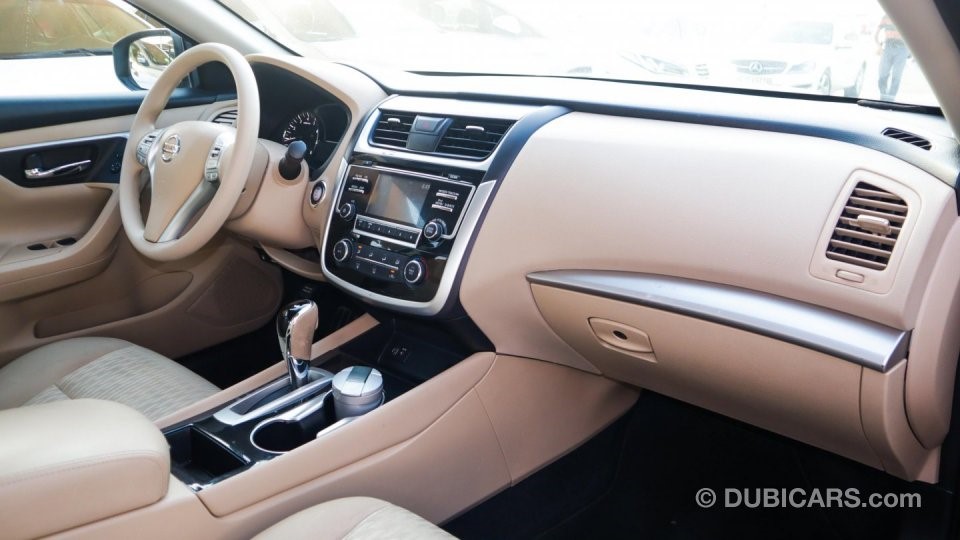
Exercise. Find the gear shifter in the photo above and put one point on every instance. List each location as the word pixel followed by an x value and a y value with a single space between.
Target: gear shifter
pixel 296 324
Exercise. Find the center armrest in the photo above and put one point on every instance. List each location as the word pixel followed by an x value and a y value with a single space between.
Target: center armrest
pixel 68 463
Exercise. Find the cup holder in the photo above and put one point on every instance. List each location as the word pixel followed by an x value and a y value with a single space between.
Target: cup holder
pixel 297 427
pixel 278 436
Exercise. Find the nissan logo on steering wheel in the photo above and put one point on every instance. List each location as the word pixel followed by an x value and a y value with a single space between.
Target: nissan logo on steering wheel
pixel 171 147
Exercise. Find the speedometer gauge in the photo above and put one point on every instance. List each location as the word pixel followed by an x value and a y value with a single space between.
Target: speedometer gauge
pixel 305 127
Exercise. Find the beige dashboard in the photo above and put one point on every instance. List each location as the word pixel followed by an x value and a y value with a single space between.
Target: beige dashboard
pixel 718 207
pixel 734 207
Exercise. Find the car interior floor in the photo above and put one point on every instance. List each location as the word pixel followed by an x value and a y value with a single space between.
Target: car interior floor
pixel 228 363
pixel 639 477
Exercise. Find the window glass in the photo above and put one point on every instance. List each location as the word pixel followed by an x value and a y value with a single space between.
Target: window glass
pixel 827 47
pixel 64 47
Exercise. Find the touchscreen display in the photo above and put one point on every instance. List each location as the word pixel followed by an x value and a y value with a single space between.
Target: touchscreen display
pixel 399 199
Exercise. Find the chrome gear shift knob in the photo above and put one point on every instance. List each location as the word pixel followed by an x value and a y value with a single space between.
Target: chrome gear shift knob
pixel 296 324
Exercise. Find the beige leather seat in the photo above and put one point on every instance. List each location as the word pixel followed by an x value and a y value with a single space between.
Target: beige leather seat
pixel 354 518
pixel 101 368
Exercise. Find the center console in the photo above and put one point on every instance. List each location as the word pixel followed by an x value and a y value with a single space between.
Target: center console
pixel 315 398
pixel 410 198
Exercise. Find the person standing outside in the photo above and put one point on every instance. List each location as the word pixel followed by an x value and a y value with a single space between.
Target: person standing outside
pixel 893 58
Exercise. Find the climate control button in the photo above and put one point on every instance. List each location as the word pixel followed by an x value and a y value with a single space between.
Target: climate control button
pixel 414 272
pixel 434 230
pixel 343 250
pixel 347 210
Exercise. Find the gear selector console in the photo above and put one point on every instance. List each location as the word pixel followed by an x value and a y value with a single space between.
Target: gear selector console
pixel 338 387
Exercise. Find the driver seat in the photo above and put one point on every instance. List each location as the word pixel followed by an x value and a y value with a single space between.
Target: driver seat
pixel 102 368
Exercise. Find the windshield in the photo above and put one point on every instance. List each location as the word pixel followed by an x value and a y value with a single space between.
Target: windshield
pixel 839 48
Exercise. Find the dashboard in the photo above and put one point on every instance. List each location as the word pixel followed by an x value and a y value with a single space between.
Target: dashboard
pixel 599 225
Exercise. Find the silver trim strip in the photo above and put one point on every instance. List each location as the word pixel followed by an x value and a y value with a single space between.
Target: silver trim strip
pixel 866 343
pixel 228 415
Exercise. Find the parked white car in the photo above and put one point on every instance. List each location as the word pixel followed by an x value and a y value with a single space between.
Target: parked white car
pixel 816 56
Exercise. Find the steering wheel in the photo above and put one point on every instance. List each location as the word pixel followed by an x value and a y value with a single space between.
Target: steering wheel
pixel 196 170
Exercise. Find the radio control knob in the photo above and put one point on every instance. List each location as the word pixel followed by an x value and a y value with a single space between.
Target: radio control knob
pixel 342 250
pixel 414 272
pixel 347 210
pixel 434 230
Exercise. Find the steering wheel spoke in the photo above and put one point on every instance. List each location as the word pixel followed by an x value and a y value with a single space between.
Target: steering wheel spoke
pixel 198 199
pixel 204 192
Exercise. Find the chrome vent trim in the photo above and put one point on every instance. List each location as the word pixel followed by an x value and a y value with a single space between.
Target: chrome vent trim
pixel 473 138
pixel 393 129
pixel 907 137
pixel 868 228
pixel 226 118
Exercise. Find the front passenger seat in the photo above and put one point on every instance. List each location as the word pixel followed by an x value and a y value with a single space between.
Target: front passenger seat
pixel 102 368
pixel 354 518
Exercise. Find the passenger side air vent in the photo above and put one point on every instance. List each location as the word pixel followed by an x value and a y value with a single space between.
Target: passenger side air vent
pixel 227 118
pixel 868 228
pixel 393 128
pixel 907 137
pixel 473 138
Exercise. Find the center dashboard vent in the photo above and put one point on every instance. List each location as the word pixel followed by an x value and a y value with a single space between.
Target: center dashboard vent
pixel 907 137
pixel 474 138
pixel 457 136
pixel 226 118
pixel 868 228
pixel 393 128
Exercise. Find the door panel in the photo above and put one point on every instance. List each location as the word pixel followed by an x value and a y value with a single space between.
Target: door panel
pixel 52 237
pixel 67 269
pixel 173 308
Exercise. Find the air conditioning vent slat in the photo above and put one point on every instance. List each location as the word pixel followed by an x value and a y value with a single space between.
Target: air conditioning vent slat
pixel 872 193
pixel 857 261
pixel 845 233
pixel 393 129
pixel 474 138
pixel 907 137
pixel 898 209
pixel 856 211
pixel 881 211
pixel 849 223
pixel 859 248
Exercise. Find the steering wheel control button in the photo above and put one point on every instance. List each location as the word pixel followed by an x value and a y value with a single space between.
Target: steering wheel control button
pixel 144 146
pixel 434 230
pixel 343 250
pixel 211 168
pixel 414 272
pixel 347 211
pixel 317 192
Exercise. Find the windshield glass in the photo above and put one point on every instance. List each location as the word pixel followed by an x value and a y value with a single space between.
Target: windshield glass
pixel 840 47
